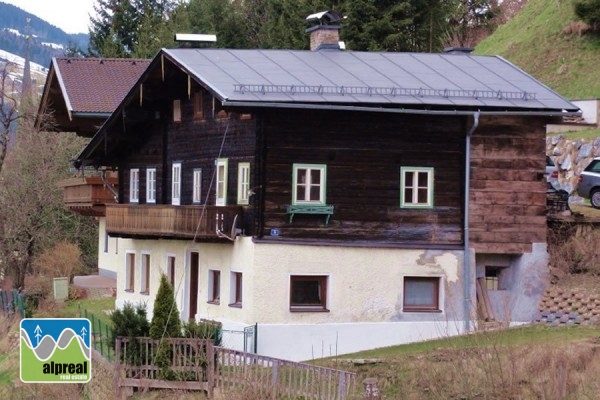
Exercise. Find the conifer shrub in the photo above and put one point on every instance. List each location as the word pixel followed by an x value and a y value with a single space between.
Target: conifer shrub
pixel 165 317
pixel 130 322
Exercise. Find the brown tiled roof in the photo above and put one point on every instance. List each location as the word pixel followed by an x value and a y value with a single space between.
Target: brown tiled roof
pixel 97 85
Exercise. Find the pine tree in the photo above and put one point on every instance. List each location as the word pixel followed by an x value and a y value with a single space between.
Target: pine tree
pixel 165 317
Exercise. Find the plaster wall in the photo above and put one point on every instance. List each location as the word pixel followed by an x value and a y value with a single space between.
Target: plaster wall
pixel 110 251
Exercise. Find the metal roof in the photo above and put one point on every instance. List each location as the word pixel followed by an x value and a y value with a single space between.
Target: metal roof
pixel 448 81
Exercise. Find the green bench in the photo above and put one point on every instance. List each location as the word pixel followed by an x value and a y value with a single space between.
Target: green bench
pixel 322 209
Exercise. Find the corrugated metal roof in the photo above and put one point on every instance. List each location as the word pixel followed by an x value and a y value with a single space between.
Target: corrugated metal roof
pixel 390 79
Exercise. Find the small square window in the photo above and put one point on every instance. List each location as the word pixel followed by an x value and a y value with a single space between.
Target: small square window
pixel 214 286
pixel 421 294
pixel 494 278
pixel 416 187
pixel 308 293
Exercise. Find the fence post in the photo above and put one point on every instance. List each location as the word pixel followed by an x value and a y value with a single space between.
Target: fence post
pixel 371 389
pixel 210 376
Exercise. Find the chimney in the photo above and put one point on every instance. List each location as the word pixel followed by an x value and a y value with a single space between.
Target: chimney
pixel 326 33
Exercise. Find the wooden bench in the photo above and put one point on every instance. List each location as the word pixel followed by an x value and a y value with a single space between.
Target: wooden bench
pixel 323 209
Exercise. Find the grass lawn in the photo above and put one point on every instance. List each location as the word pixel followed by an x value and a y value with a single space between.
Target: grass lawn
pixel 98 307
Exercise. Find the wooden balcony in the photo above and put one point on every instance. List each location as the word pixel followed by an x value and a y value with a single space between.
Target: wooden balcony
pixel 210 223
pixel 88 195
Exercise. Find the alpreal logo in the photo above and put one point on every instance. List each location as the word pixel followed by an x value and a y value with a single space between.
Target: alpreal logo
pixel 56 350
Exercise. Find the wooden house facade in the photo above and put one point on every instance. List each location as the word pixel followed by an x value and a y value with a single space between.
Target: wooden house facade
pixel 339 200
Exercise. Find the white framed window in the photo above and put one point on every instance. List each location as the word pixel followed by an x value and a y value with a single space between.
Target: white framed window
pixel 308 293
pixel 134 185
pixel 151 185
pixel 243 192
pixel 130 271
pixel 235 289
pixel 421 294
pixel 197 186
pixel 214 286
pixel 176 184
pixel 176 110
pixel 145 275
pixel 416 187
pixel 309 184
pixel 171 270
pixel 221 195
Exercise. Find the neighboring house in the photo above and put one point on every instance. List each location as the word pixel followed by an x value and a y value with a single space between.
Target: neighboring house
pixel 80 94
pixel 589 118
pixel 323 194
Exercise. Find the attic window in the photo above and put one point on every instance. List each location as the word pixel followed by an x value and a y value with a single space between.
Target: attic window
pixel 176 110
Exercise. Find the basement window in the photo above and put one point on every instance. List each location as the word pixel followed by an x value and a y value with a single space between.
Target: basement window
pixel 308 293
pixel 421 294
pixel 494 278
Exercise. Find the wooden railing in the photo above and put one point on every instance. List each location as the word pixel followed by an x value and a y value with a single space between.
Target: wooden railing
pixel 271 378
pixel 87 195
pixel 167 221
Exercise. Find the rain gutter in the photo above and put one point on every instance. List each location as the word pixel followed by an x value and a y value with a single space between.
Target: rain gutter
pixel 467 251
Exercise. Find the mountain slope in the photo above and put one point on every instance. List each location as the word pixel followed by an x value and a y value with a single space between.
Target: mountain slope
pixel 535 41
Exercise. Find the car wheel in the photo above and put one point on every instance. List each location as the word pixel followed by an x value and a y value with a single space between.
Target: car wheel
pixel 595 198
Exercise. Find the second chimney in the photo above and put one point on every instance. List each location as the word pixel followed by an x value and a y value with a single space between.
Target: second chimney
pixel 326 33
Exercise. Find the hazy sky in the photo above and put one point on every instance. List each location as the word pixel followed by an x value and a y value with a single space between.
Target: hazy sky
pixel 72 16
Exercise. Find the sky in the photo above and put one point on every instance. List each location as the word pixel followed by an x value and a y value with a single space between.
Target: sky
pixel 72 16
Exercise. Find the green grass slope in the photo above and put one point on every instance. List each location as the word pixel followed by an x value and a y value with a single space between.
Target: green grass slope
pixel 534 41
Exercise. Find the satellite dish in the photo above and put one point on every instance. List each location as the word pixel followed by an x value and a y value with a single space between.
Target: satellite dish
pixel 234 230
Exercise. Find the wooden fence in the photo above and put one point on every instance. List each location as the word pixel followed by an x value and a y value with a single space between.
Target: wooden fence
pixel 190 364
pixel 271 378
pixel 196 364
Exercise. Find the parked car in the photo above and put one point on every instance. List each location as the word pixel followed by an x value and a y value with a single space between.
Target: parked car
pixel 551 173
pixel 588 185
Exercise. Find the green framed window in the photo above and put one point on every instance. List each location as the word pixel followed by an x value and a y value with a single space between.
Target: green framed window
pixel 309 184
pixel 416 187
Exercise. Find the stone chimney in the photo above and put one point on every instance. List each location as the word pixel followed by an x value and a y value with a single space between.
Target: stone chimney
pixel 325 34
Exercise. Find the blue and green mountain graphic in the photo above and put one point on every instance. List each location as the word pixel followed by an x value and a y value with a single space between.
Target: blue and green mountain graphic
pixel 55 350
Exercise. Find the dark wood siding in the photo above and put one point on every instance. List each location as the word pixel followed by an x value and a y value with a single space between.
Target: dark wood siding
pixel 508 192
pixel 363 153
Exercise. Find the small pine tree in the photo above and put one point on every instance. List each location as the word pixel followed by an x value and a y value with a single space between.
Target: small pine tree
pixel 165 318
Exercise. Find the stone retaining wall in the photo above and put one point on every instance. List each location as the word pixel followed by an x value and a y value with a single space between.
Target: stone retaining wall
pixel 568 307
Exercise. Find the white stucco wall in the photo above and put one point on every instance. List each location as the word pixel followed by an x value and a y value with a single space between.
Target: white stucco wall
pixel 110 251
pixel 365 293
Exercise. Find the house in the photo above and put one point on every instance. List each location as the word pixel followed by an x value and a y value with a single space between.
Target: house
pixel 80 94
pixel 334 200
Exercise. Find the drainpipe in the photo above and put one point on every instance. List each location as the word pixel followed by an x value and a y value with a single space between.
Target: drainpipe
pixel 467 252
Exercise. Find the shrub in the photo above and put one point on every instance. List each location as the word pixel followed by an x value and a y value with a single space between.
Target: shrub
pixel 165 317
pixel 62 260
pixel 205 329
pixel 131 322
pixel 588 11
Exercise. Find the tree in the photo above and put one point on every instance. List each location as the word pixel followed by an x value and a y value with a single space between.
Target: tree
pixel 588 11
pixel 32 216
pixel 8 109
pixel 165 316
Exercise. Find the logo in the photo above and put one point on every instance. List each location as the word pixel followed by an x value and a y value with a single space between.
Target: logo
pixel 56 350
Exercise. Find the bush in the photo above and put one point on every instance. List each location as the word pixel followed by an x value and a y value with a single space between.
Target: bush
pixel 205 329
pixel 62 260
pixel 131 322
pixel 588 11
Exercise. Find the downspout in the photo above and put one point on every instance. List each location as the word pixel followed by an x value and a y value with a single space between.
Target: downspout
pixel 467 253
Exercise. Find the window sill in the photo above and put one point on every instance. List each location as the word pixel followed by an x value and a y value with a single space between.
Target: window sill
pixel 214 302
pixel 129 290
pixel 235 305
pixel 145 292
pixel 410 310
pixel 308 309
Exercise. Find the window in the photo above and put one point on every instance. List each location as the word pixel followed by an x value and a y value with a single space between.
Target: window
pixel 198 106
pixel 145 274
pixel 151 185
pixel 134 185
pixel 130 272
pixel 236 289
pixel 421 294
pixel 309 184
pixel 214 286
pixel 494 278
pixel 176 184
pixel 171 270
pixel 197 186
pixel 221 196
pixel 176 110
pixel 308 293
pixel 243 183
pixel 416 187
pixel 105 242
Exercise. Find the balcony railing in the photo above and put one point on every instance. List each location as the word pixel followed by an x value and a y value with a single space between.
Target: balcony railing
pixel 176 222
pixel 88 195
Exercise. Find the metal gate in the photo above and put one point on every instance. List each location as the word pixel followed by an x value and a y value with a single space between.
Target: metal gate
pixel 241 340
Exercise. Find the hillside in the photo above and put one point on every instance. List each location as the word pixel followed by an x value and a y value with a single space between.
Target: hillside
pixel 47 40
pixel 535 41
